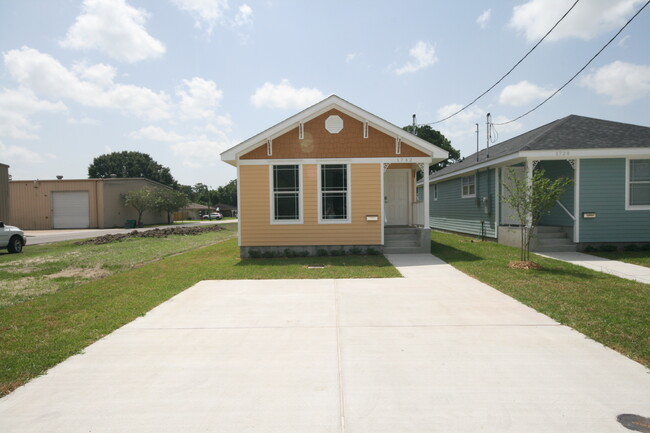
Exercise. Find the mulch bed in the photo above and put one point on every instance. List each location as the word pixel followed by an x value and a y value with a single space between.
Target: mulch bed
pixel 155 233
pixel 524 265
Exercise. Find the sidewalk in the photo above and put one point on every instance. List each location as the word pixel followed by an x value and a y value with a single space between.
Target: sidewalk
pixel 613 267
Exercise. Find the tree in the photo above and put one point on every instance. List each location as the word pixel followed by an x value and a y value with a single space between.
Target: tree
pixel 141 200
pixel 130 164
pixel 429 134
pixel 531 201
pixel 227 194
pixel 169 201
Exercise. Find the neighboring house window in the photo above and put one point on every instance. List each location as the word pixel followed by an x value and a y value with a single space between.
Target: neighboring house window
pixel 286 197
pixel 435 191
pixel 419 193
pixel 469 186
pixel 639 183
pixel 334 193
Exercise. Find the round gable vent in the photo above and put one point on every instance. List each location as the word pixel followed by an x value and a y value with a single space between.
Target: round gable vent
pixel 334 124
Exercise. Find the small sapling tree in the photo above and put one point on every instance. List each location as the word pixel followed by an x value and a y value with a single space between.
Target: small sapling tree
pixel 141 200
pixel 531 201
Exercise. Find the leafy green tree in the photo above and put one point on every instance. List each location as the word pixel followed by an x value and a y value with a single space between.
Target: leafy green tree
pixel 141 200
pixel 227 194
pixel 169 201
pixel 130 164
pixel 531 201
pixel 201 193
pixel 427 133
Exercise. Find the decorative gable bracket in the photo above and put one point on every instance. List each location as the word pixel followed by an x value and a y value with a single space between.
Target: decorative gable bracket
pixel 269 147
pixel 365 129
pixel 301 130
pixel 398 145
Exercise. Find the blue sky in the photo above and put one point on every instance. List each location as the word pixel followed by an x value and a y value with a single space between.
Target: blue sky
pixel 184 80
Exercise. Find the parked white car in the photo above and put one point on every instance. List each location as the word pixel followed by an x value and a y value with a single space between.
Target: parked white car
pixel 12 238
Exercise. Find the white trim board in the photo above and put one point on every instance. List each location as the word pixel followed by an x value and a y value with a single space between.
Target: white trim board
pixel 382 160
pixel 231 156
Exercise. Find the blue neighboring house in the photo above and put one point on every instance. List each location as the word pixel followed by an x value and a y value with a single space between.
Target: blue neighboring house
pixel 607 203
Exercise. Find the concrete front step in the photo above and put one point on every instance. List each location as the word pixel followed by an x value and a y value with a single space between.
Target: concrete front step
pixel 560 248
pixel 549 229
pixel 400 231
pixel 552 235
pixel 391 238
pixel 558 241
pixel 402 243
pixel 404 250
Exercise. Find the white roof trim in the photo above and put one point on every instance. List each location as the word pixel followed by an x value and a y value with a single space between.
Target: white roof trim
pixel 231 155
pixel 547 155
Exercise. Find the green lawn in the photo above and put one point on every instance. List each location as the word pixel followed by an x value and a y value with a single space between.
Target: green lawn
pixel 611 310
pixel 38 333
pixel 641 258
pixel 48 268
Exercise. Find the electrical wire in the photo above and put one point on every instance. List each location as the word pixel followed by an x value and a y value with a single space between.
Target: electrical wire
pixel 507 73
pixel 579 71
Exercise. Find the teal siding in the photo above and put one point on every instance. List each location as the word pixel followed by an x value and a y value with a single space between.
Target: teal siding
pixel 555 170
pixel 602 190
pixel 464 215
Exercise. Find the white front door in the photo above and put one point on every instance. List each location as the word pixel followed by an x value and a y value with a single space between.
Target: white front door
pixel 508 214
pixel 396 197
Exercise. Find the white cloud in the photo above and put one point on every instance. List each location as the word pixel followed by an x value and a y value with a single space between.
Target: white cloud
pixel 484 18
pixel 198 98
pixel 16 107
pixel 423 55
pixel 155 133
pixel 523 93
pixel 622 82
pixel 21 155
pixel 350 57
pixel 210 13
pixel 244 15
pixel 114 27
pixel 91 86
pixel 586 21
pixel 285 96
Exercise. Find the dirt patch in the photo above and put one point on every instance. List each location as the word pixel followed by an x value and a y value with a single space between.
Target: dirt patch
pixel 155 233
pixel 524 265
pixel 86 273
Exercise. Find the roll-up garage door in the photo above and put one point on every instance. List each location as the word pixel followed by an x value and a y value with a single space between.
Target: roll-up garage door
pixel 70 210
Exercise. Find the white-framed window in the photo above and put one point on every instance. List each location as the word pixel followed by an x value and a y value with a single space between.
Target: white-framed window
pixel 468 186
pixel 334 193
pixel 286 194
pixel 638 184
pixel 435 191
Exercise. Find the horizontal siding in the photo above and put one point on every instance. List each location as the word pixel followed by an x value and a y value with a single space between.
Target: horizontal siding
pixel 602 190
pixel 464 215
pixel 256 229
pixel 557 216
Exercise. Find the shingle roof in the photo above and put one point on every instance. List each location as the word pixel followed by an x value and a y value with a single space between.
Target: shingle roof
pixel 571 132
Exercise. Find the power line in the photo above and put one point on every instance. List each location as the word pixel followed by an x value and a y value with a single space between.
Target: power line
pixel 579 71
pixel 507 73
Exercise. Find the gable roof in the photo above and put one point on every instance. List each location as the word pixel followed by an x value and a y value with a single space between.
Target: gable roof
pixel 571 132
pixel 231 155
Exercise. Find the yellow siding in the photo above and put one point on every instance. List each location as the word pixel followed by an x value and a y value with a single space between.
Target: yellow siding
pixel 254 208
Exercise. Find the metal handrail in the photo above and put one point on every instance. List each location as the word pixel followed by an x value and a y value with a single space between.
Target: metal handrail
pixel 566 210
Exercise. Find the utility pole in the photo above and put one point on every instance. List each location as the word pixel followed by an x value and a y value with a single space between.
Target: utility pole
pixel 488 126
pixel 477 142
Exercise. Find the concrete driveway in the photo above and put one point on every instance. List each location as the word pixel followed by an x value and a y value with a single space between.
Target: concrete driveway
pixel 436 351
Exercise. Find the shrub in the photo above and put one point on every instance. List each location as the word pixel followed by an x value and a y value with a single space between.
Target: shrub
pixel 607 248
pixel 632 247
pixel 356 251
pixel 339 252
pixel 590 249
pixel 372 252
pixel 303 253
pixel 254 254
pixel 268 254
pixel 645 247
pixel 322 252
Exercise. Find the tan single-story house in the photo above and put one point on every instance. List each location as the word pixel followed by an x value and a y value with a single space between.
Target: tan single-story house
pixel 332 177
pixel 4 193
pixel 77 203
pixel 193 211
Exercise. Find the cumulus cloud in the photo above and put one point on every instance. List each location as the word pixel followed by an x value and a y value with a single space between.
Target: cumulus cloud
pixel 155 133
pixel 91 86
pixel 209 13
pixel 423 55
pixel 16 108
pixel 285 96
pixel 114 27
pixel 620 81
pixel 21 155
pixel 350 57
pixel 586 21
pixel 484 18
pixel 523 93
pixel 198 98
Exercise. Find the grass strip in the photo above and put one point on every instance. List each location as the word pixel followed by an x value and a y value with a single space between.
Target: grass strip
pixel 611 310
pixel 641 258
pixel 37 334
